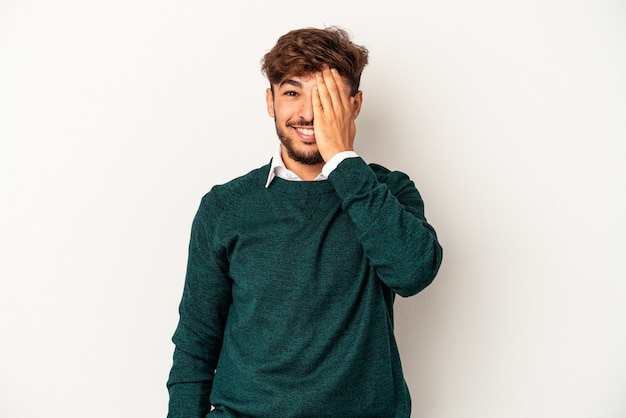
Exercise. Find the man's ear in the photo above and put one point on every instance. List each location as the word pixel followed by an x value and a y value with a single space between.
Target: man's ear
pixel 358 101
pixel 269 100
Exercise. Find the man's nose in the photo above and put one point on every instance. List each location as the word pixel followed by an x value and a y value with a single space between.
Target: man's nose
pixel 306 109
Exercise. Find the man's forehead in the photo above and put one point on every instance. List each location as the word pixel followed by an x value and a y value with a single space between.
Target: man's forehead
pixel 297 80
pixel 300 80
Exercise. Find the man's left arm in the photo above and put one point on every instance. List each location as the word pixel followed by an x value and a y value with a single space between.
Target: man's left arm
pixel 387 211
pixel 390 223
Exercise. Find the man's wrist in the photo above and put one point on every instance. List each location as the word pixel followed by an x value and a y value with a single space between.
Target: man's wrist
pixel 336 160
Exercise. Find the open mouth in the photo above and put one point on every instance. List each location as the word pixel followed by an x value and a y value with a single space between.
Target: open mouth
pixel 305 133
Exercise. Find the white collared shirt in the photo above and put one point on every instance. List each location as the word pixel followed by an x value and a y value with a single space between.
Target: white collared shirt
pixel 278 168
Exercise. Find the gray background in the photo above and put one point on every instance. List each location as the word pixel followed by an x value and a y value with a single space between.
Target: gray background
pixel 117 116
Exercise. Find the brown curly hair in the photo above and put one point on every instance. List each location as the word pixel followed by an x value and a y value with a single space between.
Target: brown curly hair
pixel 305 51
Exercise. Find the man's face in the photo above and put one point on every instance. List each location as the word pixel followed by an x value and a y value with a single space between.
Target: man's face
pixel 291 106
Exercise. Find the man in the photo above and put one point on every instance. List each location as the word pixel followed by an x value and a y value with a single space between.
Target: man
pixel 287 309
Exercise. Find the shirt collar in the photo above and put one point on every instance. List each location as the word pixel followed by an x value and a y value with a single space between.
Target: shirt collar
pixel 278 169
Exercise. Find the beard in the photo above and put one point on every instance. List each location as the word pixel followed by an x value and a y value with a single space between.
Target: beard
pixel 312 157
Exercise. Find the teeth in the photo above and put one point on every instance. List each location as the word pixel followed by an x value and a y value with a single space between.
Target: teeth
pixel 306 131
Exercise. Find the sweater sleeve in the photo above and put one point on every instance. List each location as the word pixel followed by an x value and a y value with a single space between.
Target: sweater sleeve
pixel 389 217
pixel 203 311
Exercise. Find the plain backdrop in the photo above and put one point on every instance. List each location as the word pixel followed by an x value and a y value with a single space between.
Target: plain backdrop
pixel 117 116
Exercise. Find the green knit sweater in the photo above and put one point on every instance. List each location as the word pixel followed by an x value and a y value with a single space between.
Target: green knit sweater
pixel 287 309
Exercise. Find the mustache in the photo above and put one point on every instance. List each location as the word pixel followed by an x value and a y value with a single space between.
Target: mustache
pixel 300 122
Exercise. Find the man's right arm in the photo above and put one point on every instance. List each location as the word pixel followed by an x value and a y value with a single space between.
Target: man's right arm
pixel 203 311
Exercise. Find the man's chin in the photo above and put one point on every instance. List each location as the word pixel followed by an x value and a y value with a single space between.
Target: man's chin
pixel 313 157
pixel 300 151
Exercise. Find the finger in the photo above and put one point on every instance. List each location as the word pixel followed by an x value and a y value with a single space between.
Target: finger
pixel 325 101
pixel 318 108
pixel 333 81
pixel 343 91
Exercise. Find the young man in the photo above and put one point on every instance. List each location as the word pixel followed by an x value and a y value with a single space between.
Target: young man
pixel 287 309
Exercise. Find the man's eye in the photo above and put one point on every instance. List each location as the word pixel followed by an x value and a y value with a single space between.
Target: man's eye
pixel 291 93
